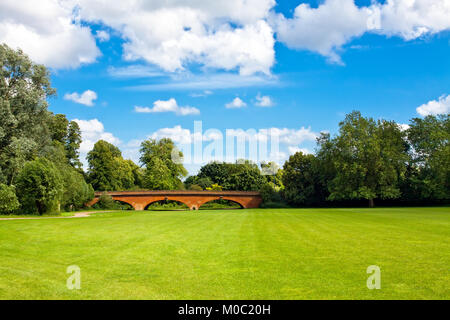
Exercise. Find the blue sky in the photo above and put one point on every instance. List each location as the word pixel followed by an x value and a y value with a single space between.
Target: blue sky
pixel 310 65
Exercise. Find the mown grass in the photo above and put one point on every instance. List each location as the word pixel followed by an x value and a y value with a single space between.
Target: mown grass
pixel 230 254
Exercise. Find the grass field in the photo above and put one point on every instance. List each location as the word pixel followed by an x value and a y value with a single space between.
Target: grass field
pixel 230 254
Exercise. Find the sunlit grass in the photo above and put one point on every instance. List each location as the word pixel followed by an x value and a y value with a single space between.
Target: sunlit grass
pixel 230 254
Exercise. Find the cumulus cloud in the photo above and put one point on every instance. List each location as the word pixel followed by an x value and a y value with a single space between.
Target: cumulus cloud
pixel 235 104
pixel 168 106
pixel 263 101
pixel 86 98
pixel 434 107
pixel 93 131
pixel 224 34
pixel 334 23
pixel 47 32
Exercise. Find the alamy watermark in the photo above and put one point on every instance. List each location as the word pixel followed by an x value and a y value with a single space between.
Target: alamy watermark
pixel 74 280
pixel 235 145
pixel 374 280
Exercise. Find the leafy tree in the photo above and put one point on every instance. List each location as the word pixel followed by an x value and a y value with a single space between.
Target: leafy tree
pixel 39 187
pixel 428 175
pixel 58 127
pixel 8 199
pixel 72 145
pixel 300 179
pixel 103 168
pixel 242 175
pixel 24 89
pixel 163 168
pixel 203 183
pixel 369 159
pixel 158 176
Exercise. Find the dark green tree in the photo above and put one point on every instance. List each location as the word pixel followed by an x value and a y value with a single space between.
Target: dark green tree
pixel 39 187
pixel 300 180
pixel 369 159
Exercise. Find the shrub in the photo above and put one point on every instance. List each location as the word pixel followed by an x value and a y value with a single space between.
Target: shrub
pixel 8 199
pixel 39 187
pixel 195 187
pixel 106 202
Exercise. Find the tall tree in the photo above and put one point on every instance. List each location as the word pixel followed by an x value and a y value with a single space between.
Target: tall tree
pixel 103 167
pixel 429 170
pixel 163 168
pixel 369 159
pixel 72 145
pixel 24 89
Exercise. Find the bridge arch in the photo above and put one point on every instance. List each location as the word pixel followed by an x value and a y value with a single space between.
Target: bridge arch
pixel 146 207
pixel 241 206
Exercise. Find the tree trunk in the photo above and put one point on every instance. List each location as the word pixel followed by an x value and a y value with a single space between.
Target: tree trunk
pixel 371 203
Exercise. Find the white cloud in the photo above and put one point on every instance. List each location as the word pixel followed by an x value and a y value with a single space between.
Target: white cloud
pixel 168 106
pixel 47 32
pixel 223 34
pixel 236 103
pixel 102 35
pixel 263 101
pixel 86 98
pixel 434 107
pixel 214 81
pixel 93 131
pixel 205 93
pixel 334 23
pixel 134 71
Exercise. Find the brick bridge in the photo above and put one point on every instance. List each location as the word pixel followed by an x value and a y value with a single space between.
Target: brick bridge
pixel 139 200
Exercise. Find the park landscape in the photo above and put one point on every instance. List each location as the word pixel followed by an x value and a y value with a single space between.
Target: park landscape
pixel 372 193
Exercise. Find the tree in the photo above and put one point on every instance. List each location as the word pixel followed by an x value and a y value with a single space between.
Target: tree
pixel 300 180
pixel 24 88
pixel 103 168
pixel 369 159
pixel 8 199
pixel 428 175
pixel 72 145
pixel 39 187
pixel 164 169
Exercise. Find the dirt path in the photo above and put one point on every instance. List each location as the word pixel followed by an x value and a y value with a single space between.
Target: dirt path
pixel 83 214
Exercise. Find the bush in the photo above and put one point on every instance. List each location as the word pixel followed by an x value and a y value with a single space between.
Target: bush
pixel 8 199
pixel 39 187
pixel 106 202
pixel 195 187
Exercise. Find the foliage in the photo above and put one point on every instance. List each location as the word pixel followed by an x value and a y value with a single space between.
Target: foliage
pixel 108 171
pixel 369 159
pixel 8 199
pixel 164 169
pixel 39 187
pixel 24 88
pixel 105 202
pixel 195 187
pixel 428 174
pixel 215 187
pixel 301 186
pixel 242 175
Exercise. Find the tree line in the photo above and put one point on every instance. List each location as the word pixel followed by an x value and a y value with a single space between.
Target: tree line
pixel 367 160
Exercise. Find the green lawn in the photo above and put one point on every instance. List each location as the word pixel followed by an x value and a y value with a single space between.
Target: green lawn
pixel 230 254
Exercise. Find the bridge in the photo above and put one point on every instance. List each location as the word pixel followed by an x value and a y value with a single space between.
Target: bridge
pixel 140 200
